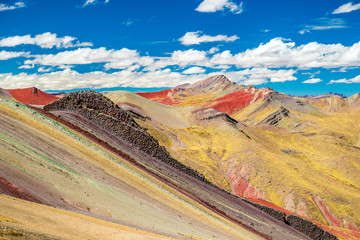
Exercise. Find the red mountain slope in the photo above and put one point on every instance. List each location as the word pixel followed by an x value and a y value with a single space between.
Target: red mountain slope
pixel 32 96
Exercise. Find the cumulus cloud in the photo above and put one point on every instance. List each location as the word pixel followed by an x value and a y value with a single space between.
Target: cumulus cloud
pixel 220 5
pixel 84 56
pixel 69 79
pixel 5 55
pixel 280 52
pixel 347 7
pixel 277 53
pixel 256 76
pixel 45 40
pixel 275 61
pixel 4 7
pixel 194 38
pixel 344 80
pixel 213 50
pixel 188 57
pixel 194 70
pixel 313 80
pixel 26 67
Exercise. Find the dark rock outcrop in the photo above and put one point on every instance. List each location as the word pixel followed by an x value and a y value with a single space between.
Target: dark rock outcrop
pixel 103 112
pixel 272 212
pixel 308 228
pixel 302 225
pixel 274 118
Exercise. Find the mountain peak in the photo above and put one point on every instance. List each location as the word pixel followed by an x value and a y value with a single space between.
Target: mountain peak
pixel 214 84
pixel 31 95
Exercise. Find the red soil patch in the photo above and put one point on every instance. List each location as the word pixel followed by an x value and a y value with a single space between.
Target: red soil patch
pixel 332 220
pixel 32 96
pixel 160 97
pixel 11 189
pixel 151 95
pixel 236 100
pixel 273 206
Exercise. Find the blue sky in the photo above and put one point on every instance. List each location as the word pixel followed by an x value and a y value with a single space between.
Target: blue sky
pixel 296 47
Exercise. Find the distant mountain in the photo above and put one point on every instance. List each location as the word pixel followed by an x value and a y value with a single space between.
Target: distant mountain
pixel 31 96
pixel 214 92
pixel 330 94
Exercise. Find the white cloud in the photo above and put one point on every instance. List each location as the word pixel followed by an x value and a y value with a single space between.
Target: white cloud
pixel 45 40
pixel 189 57
pixel 5 55
pixel 194 38
pixel 220 5
pixel 84 56
pixel 326 27
pixel 324 23
pixel 256 76
pixel 344 80
pixel 89 2
pixel 347 7
pixel 279 52
pixel 311 74
pixel 194 70
pixel 213 50
pixel 70 79
pixel 42 69
pixel 93 2
pixel 303 31
pixel 26 67
pixel 4 7
pixel 123 63
pixel 313 80
pixel 128 22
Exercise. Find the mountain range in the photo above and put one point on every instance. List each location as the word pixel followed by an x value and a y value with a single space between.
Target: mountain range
pixel 209 160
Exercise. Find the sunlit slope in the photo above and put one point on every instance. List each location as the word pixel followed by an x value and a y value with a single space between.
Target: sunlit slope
pixel 283 150
pixel 44 162
pixel 26 220
pixel 160 113
pixel 180 130
pixel 322 148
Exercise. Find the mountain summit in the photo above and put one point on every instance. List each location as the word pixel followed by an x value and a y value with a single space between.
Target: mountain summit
pixel 216 92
